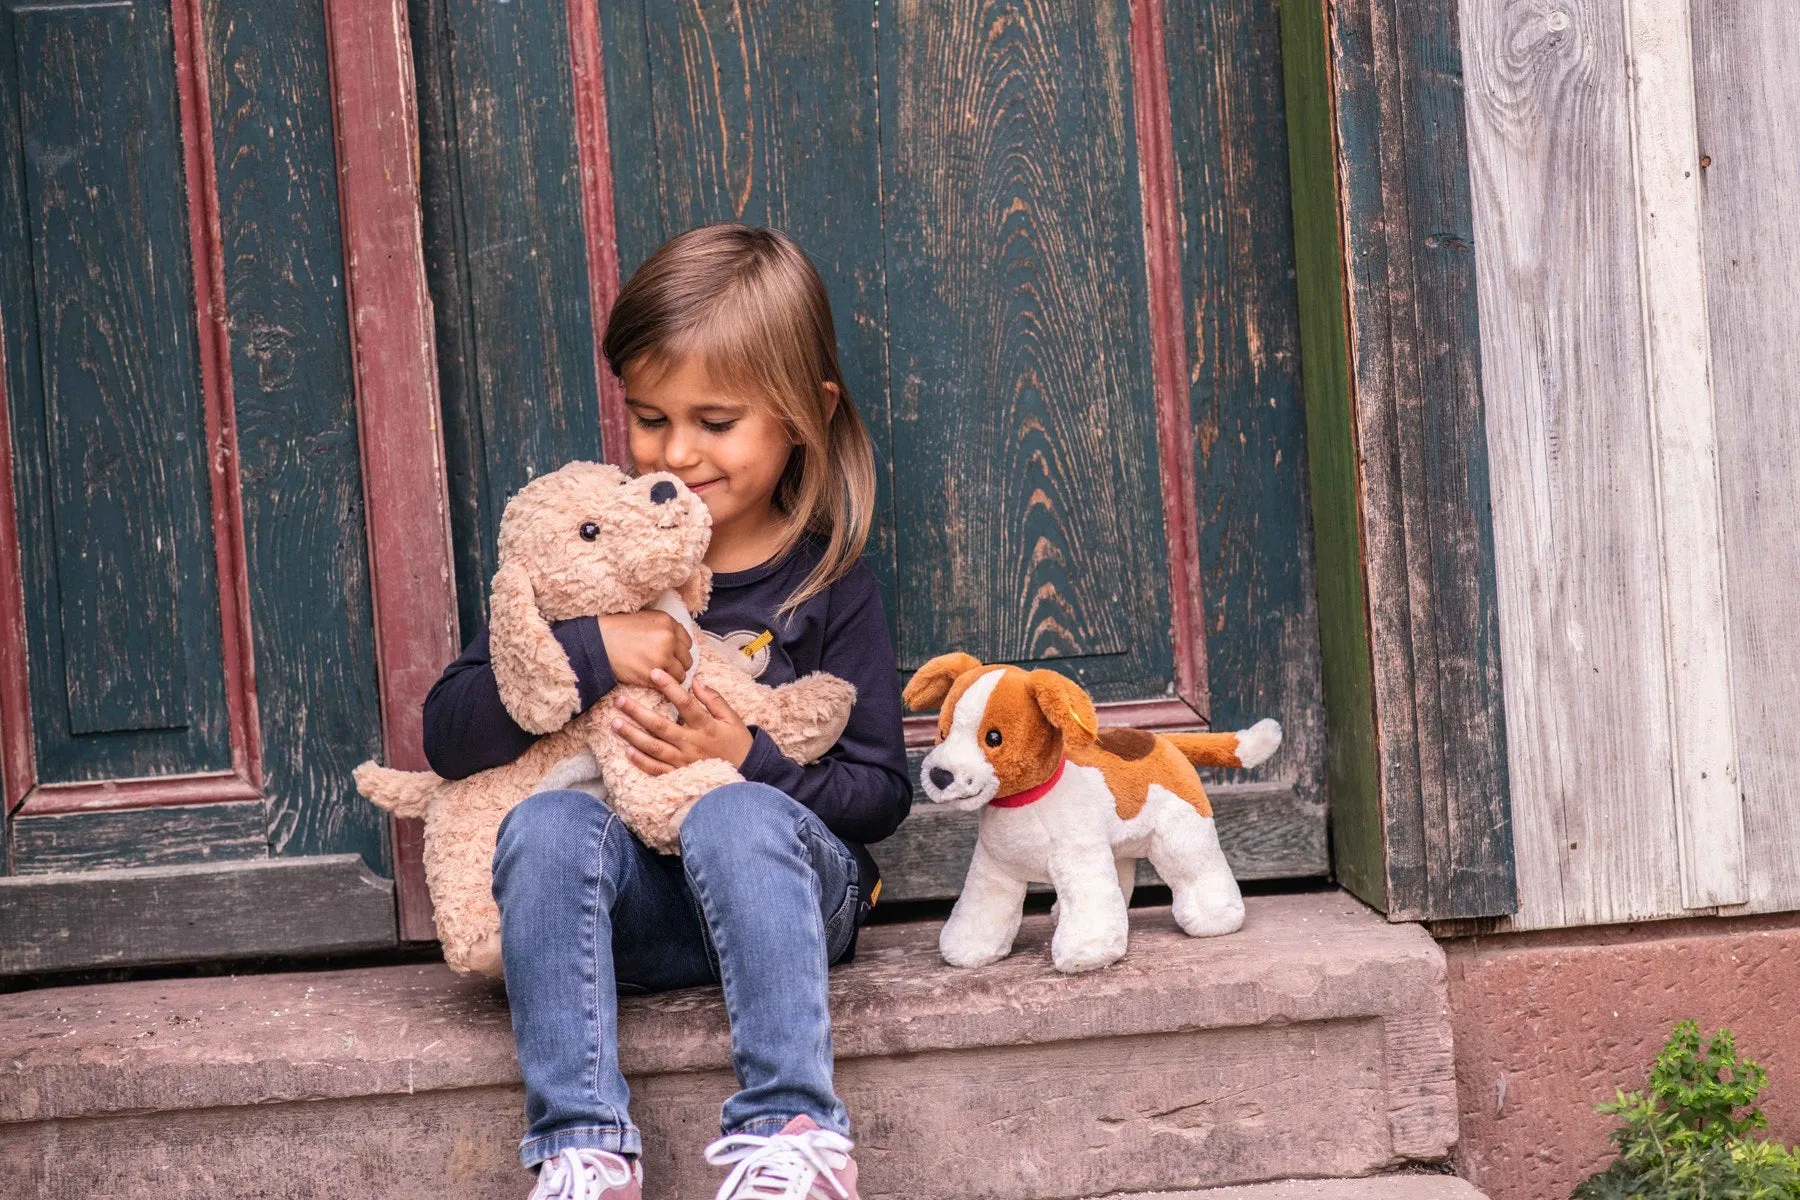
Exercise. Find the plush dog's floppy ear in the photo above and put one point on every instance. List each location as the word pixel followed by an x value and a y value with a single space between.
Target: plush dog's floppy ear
pixel 537 684
pixel 696 593
pixel 1065 706
pixel 931 683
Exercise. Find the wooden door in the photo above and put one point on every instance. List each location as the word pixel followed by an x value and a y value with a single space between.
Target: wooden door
pixel 188 604
pixel 1058 246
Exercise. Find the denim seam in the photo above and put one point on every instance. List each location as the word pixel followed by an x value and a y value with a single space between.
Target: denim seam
pixel 626 1136
pixel 593 1006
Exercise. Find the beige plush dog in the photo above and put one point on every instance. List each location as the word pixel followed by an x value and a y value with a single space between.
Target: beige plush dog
pixel 586 540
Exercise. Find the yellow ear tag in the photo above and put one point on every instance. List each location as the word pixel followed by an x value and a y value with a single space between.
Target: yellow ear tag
pixel 1085 727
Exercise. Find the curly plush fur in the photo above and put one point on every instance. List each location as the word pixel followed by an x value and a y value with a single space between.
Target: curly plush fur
pixel 643 553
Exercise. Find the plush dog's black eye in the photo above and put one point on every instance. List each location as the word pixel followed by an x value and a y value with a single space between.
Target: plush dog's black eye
pixel 589 531
pixel 993 737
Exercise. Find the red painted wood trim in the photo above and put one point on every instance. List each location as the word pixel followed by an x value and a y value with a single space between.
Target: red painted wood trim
pixel 1168 341
pixel 587 60
pixel 157 791
pixel 18 767
pixel 206 244
pixel 394 354
pixel 1164 715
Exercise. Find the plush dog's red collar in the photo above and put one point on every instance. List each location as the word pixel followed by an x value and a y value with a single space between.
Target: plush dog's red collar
pixel 1029 795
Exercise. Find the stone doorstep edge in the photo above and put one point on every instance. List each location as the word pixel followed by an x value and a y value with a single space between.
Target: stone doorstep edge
pixel 402 1030
pixel 1374 1187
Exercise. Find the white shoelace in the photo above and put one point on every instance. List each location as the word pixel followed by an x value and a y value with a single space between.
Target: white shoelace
pixel 783 1166
pixel 581 1175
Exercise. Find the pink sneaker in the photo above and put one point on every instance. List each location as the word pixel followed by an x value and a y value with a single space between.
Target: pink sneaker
pixel 802 1162
pixel 589 1175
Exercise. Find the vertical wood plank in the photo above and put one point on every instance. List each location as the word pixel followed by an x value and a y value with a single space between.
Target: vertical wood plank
pixel 599 222
pixel 300 465
pixel 404 479
pixel 1672 273
pixel 1748 101
pixel 1242 325
pixel 1575 510
pixel 1358 841
pixel 1153 123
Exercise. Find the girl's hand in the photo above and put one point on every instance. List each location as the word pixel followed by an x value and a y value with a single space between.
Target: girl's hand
pixel 708 729
pixel 641 643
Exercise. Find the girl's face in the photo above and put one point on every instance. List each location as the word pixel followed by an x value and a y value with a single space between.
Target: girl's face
pixel 728 449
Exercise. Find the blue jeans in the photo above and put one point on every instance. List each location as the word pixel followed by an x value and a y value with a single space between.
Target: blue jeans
pixel 762 898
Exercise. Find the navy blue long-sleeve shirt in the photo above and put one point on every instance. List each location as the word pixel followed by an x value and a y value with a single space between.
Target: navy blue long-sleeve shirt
pixel 860 789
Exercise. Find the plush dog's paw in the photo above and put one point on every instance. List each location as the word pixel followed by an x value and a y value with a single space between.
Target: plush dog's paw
pixel 969 952
pixel 1199 919
pixel 806 717
pixel 480 958
pixel 1073 951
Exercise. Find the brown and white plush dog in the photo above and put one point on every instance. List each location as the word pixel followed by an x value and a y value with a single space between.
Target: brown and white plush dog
pixel 586 540
pixel 1066 804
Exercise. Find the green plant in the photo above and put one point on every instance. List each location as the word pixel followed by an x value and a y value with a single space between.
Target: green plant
pixel 1688 1137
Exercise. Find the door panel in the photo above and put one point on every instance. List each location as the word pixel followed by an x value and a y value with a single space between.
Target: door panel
pixel 1030 512
pixel 108 425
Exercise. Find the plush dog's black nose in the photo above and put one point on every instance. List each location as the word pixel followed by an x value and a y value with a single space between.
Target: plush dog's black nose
pixel 941 778
pixel 661 492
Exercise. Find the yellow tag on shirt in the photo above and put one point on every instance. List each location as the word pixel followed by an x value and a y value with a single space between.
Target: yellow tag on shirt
pixel 757 643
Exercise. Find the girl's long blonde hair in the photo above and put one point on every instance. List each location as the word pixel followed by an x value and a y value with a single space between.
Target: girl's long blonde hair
pixel 749 303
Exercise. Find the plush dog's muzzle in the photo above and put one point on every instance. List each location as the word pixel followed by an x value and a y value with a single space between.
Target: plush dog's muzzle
pixel 957 780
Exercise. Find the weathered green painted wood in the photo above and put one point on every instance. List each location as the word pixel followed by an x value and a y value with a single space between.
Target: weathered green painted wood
pixel 530 398
pixel 453 317
pixel 1421 432
pixel 1030 523
pixel 104 394
pixel 1352 769
pixel 767 116
pixel 139 837
pixel 1249 417
pixel 306 549
pixel 142 916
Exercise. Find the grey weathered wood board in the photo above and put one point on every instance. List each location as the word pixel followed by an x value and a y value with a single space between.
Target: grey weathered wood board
pixel 144 915
pixel 1748 100
pixel 1575 511
pixel 139 837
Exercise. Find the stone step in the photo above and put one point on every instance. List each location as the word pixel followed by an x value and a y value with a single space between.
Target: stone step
pixel 1312 1043
pixel 1381 1187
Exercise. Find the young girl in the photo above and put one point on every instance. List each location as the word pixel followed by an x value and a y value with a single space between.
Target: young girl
pixel 724 341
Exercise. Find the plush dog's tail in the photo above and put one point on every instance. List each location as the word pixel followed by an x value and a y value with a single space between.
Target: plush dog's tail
pixel 1246 748
pixel 403 793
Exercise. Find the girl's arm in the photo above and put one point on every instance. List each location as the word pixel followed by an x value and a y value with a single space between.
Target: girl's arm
pixel 860 789
pixel 467 729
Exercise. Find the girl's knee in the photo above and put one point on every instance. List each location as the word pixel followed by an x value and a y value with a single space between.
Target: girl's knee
pixel 550 824
pixel 740 815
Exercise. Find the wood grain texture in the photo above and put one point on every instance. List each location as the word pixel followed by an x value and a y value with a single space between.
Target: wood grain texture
pixel 1420 430
pixel 764 114
pixel 1569 439
pixel 105 400
pixel 1352 766
pixel 1242 326
pixel 141 916
pixel 1030 527
pixel 1748 102
pixel 1696 605
pixel 1154 124
pixel 306 553
pixel 404 476
pixel 600 223
pixel 145 837
pixel 523 397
